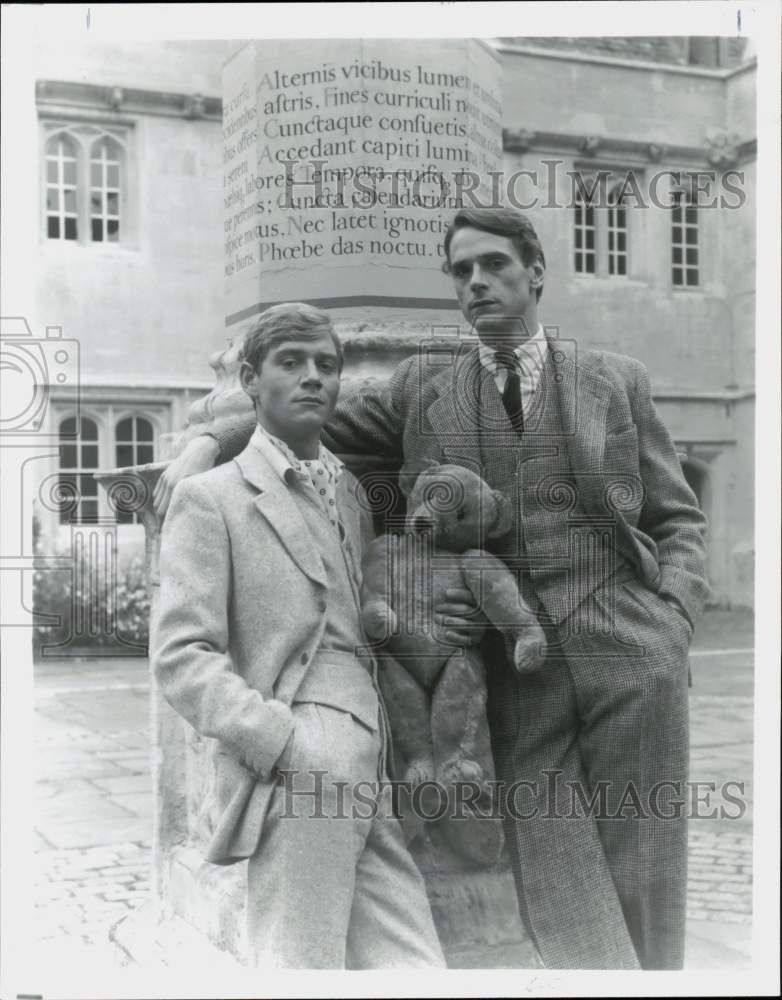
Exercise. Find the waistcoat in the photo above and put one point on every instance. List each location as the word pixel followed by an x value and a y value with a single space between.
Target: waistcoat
pixel 337 676
pixel 561 550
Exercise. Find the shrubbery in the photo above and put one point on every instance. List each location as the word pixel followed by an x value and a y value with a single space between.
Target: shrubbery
pixel 93 608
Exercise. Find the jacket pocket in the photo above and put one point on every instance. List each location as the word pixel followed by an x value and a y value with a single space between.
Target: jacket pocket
pixel 648 554
pixel 621 451
pixel 238 808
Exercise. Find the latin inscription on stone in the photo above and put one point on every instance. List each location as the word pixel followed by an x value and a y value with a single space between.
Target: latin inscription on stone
pixel 343 162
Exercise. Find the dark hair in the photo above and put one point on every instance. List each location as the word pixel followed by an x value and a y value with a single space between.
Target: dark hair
pixel 285 321
pixel 502 222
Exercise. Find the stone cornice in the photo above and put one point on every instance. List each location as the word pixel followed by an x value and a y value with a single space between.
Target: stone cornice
pixel 63 95
pixel 156 386
pixel 720 150
pixel 572 55
pixel 372 343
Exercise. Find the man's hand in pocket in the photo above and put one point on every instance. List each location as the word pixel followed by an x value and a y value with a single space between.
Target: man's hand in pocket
pixel 284 761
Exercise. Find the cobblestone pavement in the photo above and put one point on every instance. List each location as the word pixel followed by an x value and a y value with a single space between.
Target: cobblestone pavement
pixel 94 805
pixel 720 877
pixel 80 892
pixel 93 798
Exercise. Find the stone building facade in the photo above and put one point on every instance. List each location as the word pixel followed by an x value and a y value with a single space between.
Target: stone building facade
pixel 604 138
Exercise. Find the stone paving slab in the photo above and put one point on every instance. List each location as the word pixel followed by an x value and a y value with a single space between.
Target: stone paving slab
pixel 138 803
pixel 712 945
pixel 77 834
pixel 62 809
pixel 58 730
pixel 141 783
pixel 46 789
pixel 94 767
pixel 80 892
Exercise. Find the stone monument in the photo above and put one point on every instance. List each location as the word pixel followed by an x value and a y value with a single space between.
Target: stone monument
pixel 343 161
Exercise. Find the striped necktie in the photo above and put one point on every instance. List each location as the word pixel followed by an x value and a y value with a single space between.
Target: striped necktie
pixel 511 394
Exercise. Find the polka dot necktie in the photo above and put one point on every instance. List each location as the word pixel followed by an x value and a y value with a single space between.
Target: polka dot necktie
pixel 325 484
pixel 511 394
pixel 321 472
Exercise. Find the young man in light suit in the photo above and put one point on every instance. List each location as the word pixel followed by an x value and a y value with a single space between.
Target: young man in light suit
pixel 608 544
pixel 258 647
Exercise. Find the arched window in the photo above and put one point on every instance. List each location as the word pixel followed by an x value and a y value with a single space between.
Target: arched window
pixel 62 210
pixel 105 189
pixel 134 446
pixel 617 232
pixel 78 491
pixel 87 196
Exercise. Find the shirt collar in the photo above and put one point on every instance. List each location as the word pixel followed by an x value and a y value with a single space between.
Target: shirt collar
pixel 284 460
pixel 530 354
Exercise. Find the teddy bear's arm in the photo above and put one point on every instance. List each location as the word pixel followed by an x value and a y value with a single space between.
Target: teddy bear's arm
pixel 497 594
pixel 378 587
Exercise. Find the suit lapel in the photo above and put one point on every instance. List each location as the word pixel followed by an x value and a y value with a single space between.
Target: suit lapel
pixel 350 515
pixel 584 396
pixel 276 505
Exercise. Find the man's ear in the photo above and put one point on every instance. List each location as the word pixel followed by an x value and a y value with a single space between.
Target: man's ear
pixel 503 522
pixel 538 275
pixel 247 378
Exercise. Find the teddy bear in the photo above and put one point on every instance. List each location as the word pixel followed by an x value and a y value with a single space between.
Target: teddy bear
pixel 435 693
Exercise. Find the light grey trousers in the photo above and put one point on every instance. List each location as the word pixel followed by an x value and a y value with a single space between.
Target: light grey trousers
pixel 332 884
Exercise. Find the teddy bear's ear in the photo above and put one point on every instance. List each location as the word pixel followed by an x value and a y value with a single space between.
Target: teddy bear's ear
pixel 504 520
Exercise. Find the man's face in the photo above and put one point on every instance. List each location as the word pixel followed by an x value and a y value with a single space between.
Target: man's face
pixel 496 291
pixel 296 389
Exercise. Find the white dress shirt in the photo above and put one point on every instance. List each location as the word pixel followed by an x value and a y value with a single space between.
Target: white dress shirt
pixel 530 358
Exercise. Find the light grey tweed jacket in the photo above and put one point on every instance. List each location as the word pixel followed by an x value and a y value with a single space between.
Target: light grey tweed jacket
pixel 243 593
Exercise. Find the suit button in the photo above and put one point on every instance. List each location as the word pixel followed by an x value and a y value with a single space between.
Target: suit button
pixel 304 657
pixel 322 606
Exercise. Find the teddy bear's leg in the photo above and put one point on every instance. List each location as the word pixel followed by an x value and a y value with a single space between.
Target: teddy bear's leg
pixel 497 593
pixel 464 760
pixel 409 712
pixel 460 732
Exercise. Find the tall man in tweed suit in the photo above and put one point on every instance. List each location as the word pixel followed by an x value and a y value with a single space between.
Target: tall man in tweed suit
pixel 256 646
pixel 608 544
